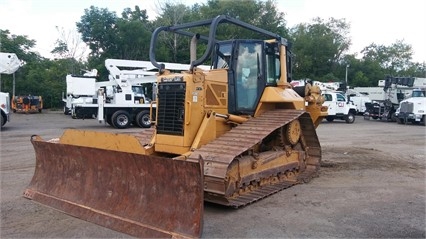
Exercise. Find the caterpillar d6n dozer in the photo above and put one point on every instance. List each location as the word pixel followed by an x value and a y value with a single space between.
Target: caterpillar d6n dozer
pixel 230 135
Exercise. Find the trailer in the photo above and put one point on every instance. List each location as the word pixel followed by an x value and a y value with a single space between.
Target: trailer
pixel 27 104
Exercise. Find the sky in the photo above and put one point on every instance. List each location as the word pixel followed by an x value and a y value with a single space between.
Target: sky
pixel 382 22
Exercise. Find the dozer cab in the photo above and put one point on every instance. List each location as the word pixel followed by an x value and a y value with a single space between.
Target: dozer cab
pixel 230 135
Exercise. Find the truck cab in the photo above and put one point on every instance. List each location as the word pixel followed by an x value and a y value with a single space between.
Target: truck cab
pixel 413 109
pixel 339 107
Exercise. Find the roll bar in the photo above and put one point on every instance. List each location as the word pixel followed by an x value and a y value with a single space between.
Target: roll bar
pixel 211 38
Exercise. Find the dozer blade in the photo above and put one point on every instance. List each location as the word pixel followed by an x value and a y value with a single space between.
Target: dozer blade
pixel 140 195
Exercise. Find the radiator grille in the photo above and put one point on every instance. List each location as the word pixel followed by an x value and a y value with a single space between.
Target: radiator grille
pixel 171 108
pixel 406 107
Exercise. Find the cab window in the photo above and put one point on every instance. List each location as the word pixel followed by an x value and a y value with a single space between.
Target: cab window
pixel 272 64
pixel 328 97
pixel 223 56
pixel 248 73
pixel 340 97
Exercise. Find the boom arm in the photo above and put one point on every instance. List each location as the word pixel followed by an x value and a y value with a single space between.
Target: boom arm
pixel 142 72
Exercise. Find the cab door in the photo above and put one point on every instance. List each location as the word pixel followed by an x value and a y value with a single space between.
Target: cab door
pixel 330 103
pixel 340 104
pixel 244 60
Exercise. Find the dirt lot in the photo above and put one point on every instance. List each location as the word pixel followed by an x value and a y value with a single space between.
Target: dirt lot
pixel 372 184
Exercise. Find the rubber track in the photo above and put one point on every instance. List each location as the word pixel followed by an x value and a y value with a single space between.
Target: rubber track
pixel 219 153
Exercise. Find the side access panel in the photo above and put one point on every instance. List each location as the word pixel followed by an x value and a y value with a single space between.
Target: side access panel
pixel 140 195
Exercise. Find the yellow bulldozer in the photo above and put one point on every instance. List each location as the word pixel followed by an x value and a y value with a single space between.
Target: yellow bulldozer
pixel 230 135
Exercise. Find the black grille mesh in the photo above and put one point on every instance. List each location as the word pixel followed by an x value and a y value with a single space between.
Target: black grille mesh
pixel 407 107
pixel 171 108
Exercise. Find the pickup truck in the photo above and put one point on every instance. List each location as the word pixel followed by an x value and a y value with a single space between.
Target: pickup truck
pixel 339 107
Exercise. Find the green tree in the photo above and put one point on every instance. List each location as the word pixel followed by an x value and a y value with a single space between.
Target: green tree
pixel 22 46
pixel 172 47
pixel 110 36
pixel 69 45
pixel 98 29
pixel 133 35
pixel 38 75
pixel 262 14
pixel 394 59
pixel 319 46
pixel 415 69
pixel 176 48
pixel 360 80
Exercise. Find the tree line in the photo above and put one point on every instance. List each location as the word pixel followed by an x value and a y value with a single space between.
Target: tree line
pixel 320 47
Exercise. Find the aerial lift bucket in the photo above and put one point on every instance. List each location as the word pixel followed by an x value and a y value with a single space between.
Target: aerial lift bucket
pixel 140 195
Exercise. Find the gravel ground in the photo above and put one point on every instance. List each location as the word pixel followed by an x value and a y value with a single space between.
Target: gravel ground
pixel 371 185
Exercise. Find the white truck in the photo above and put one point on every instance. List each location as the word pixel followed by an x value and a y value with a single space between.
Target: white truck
pixel 359 100
pixel 338 107
pixel 123 99
pixel 5 108
pixel 9 64
pixel 413 109
pixel 387 97
pixel 81 89
pixel 120 101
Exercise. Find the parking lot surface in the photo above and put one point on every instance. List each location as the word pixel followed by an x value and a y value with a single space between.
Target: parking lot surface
pixel 372 184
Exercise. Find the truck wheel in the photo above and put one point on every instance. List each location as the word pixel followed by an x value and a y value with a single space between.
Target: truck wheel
pixel 424 120
pixel 120 119
pixel 329 118
pixel 350 118
pixel 66 110
pixel 400 121
pixel 142 119
pixel 3 120
pixel 393 117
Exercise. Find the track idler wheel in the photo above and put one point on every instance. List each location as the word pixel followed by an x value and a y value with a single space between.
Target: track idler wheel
pixel 293 132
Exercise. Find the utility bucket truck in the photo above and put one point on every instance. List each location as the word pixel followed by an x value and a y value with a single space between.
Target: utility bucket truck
pixel 120 101
pixel 230 135
pixel 81 89
pixel 9 64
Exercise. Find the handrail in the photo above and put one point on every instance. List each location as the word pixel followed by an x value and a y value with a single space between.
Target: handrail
pixel 211 39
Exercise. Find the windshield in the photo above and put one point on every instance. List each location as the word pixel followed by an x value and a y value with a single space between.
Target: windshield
pixel 138 90
pixel 418 93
